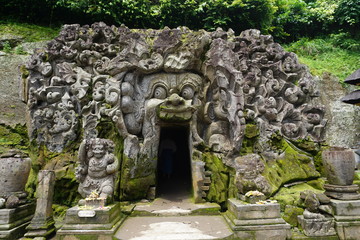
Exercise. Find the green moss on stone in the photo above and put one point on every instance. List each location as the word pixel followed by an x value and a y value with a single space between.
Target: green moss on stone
pixel 357 175
pixel 218 191
pixel 291 165
pixel 13 138
pixel 307 145
pixel 251 131
pixel 357 178
pixel 137 188
pixel 291 195
pixel 250 139
pixel 291 213
pixel 317 183
pixel 59 211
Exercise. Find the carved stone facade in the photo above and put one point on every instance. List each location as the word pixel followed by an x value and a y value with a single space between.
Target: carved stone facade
pixel 214 83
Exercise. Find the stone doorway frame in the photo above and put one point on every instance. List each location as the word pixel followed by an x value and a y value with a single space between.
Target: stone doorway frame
pixel 173 127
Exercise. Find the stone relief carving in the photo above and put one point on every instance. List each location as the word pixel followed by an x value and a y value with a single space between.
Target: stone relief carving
pixel 97 168
pixel 214 82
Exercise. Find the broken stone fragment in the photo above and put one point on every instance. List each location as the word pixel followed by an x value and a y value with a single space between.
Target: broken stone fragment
pixel 2 202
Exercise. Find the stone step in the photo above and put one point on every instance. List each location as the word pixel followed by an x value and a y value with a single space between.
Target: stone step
pixel 174 228
pixel 181 207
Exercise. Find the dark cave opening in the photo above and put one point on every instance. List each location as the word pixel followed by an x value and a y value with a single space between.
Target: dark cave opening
pixel 174 168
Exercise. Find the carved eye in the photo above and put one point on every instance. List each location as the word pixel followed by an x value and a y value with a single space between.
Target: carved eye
pixel 160 93
pixel 187 93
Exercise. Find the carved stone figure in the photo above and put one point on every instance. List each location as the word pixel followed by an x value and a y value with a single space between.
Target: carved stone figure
pixel 248 174
pixel 97 168
pixel 215 84
pixel 316 220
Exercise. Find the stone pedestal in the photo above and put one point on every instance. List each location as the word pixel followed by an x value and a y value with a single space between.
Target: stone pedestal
pixel 92 222
pixel 256 221
pixel 347 216
pixel 14 221
pixel 43 225
pixel 348 192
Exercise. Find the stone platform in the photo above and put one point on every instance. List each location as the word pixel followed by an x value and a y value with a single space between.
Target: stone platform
pixel 347 217
pixel 175 207
pixel 174 227
pixel 94 223
pixel 256 221
pixel 14 221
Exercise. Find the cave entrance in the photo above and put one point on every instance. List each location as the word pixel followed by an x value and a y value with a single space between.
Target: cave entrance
pixel 174 168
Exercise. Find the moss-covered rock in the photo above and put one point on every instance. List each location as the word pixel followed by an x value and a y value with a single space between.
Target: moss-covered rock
pixel 287 164
pixel 220 178
pixel 291 213
pixel 13 138
pixel 291 195
pixel 250 139
pixel 251 131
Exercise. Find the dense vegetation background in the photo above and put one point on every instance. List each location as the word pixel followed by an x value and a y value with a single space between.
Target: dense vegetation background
pixel 314 29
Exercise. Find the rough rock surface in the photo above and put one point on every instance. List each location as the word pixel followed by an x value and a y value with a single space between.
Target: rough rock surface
pixel 343 128
pixel 12 108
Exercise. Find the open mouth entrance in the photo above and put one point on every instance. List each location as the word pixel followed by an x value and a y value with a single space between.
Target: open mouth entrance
pixel 174 170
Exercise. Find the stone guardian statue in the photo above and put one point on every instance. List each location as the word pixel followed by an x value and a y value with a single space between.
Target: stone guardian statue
pixel 97 168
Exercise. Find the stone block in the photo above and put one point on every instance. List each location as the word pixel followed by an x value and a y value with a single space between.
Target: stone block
pixel 103 216
pixel 245 211
pixel 14 221
pixel 348 230
pixel 84 236
pixel 256 221
pixel 346 208
pixel 98 223
pixel 268 234
pixel 317 227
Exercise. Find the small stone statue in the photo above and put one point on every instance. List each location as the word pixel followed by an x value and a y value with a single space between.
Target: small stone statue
pixel 97 168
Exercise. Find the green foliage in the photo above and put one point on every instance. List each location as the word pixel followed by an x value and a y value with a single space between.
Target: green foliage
pixel 238 14
pixel 298 18
pixel 20 50
pixel 30 32
pixel 348 14
pixel 337 54
pixel 173 13
pixel 6 47
pixel 287 20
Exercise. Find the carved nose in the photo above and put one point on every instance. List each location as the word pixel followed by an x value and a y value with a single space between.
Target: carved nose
pixel 175 100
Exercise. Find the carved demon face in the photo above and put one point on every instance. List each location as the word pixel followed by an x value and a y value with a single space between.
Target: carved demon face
pixel 175 95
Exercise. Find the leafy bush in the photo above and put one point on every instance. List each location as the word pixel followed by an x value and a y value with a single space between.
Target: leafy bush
pixel 287 20
pixel 348 14
pixel 345 41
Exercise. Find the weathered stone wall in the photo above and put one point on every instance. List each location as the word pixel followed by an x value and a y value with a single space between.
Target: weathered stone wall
pixel 343 127
pixel 12 109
